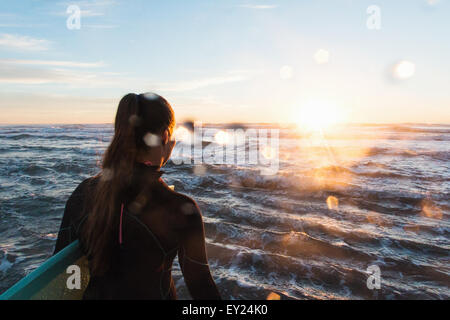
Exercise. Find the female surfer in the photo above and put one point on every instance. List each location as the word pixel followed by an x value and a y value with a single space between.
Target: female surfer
pixel 130 224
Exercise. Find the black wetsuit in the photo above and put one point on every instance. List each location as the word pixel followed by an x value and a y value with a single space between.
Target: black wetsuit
pixel 158 223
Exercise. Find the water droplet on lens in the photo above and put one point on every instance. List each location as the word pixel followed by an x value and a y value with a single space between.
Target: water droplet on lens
pixel 199 170
pixel 152 140
pixel 332 203
pixel 188 208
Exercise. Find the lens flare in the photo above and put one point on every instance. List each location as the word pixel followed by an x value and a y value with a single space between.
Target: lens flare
pixel 430 210
pixel 107 174
pixel 432 2
pixel 199 170
pixel 286 72
pixel 404 70
pixel 322 56
pixel 268 152
pixel 152 140
pixel 182 134
pixel 332 203
pixel 222 137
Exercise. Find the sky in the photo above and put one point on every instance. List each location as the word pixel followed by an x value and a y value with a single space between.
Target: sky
pixel 227 60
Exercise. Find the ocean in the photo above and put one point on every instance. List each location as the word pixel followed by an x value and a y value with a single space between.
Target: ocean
pixel 339 205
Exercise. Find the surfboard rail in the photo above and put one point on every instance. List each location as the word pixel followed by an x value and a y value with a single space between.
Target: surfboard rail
pixel 48 281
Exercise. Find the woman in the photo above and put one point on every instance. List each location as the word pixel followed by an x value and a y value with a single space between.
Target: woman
pixel 130 224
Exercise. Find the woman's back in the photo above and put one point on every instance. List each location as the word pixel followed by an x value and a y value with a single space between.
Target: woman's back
pixel 156 224
pixel 131 225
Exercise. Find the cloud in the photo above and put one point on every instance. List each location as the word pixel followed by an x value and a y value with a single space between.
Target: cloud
pixel 89 13
pixel 259 6
pixel 231 76
pixel 56 63
pixel 100 26
pixel 78 74
pixel 7 15
pixel 83 13
pixel 432 2
pixel 88 3
pixel 16 25
pixel 11 20
pixel 23 42
pixel 30 72
pixel 201 83
pixel 27 107
pixel 88 8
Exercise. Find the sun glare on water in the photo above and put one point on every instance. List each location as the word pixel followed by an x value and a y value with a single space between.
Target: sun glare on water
pixel 222 137
pixel 317 115
pixel 182 134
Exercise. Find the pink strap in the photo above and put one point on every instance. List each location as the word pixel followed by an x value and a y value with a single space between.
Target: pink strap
pixel 120 224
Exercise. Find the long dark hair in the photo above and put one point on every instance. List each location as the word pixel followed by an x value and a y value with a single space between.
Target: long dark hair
pixel 136 116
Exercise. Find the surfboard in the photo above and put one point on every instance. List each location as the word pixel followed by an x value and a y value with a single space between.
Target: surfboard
pixel 53 280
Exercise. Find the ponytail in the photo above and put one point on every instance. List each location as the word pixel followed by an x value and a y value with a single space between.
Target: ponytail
pixel 131 124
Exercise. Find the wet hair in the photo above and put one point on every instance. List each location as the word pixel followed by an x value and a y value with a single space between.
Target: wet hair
pixel 137 116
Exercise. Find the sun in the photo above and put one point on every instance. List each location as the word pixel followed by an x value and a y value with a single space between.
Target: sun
pixel 317 115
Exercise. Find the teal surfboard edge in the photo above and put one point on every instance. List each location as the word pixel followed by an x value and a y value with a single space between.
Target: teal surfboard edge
pixel 33 282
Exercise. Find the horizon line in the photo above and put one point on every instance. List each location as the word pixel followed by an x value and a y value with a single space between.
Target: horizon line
pixel 231 123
